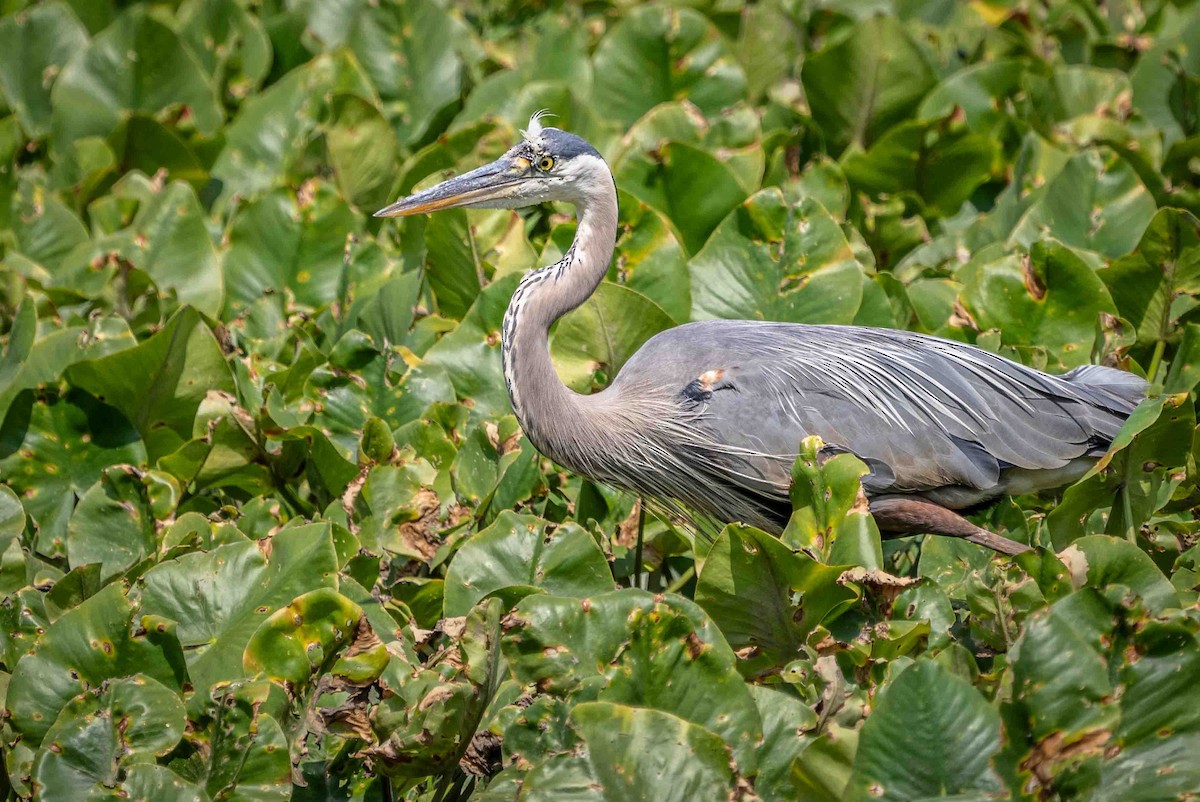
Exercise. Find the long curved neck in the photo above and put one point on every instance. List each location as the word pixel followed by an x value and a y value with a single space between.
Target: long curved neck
pixel 550 413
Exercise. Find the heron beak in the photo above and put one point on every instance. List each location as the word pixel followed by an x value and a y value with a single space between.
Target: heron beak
pixel 489 182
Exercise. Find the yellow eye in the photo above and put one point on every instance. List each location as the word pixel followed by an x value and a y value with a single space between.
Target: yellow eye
pixel 545 163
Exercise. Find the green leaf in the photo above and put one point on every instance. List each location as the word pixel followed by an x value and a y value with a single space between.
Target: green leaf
pixel 949 732
pixel 97 739
pixel 221 597
pixel 945 172
pixel 12 515
pixel 634 755
pixel 1096 203
pixel 470 354
pixel 243 751
pixel 787 723
pixel 52 451
pixel 101 83
pixel 306 637
pixel 1049 299
pixel 266 142
pixel 769 260
pixel 408 51
pixel 650 259
pixel 113 523
pixel 48 230
pixel 692 187
pixel 518 551
pixel 628 647
pixel 1060 679
pixel 91 644
pixel 1166 265
pixel 764 596
pixel 362 151
pixel 35 44
pixel 829 510
pixel 290 243
pixel 658 54
pixel 865 81
pixel 1102 562
pixel 603 333
pixel 170 241
pixel 427 716
pixel 159 384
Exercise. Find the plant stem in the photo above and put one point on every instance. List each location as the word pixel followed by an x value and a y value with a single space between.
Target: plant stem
pixel 682 580
pixel 1156 361
pixel 637 554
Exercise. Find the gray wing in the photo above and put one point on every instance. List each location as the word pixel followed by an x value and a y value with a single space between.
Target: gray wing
pixel 923 412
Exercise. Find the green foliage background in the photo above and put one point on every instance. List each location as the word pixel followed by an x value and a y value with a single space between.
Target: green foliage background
pixel 268 528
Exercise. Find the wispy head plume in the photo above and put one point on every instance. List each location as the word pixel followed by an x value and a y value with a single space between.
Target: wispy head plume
pixel 535 125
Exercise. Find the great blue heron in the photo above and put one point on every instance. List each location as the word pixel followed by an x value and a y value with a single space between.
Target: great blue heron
pixel 711 414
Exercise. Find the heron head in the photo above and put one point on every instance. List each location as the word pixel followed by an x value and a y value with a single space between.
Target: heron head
pixel 548 164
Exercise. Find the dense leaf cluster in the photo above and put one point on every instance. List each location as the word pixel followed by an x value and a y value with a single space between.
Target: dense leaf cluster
pixel 269 530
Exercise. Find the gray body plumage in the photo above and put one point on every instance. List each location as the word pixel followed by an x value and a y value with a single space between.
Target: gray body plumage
pixel 931 417
pixel 711 414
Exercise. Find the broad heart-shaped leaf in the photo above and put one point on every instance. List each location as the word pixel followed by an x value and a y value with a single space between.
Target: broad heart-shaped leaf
pixel 362 151
pixel 866 80
pixel 44 361
pixel 305 638
pixel 243 752
pixel 408 49
pixel 1061 682
pixel 1101 562
pixel 634 755
pixel 168 239
pixel 143 144
pixel 101 83
pixel 604 333
pixel 470 354
pixel 48 230
pixel 944 171
pixel 650 259
pixel 1166 264
pixel 228 40
pixel 159 384
pixel 1096 203
pixel 33 44
pixel 1154 732
pixel 553 56
pixel 787 723
pixel 96 737
pixel 12 515
pixel 516 552
pixel 763 595
pixel 632 648
pixel 427 715
pixel 113 523
pixel 735 137
pixel 769 260
pixel 221 597
pixel 829 510
pixel 286 243
pixel 266 141
pixel 52 451
pixel 691 186
pixel 1049 299
pixel 975 89
pixel 87 646
pixel 930 734
pixel 657 54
